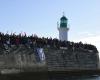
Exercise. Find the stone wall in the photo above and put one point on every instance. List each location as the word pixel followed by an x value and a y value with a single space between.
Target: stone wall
pixel 24 58
pixel 65 60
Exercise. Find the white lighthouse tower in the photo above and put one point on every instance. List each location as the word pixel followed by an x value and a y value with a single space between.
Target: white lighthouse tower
pixel 63 29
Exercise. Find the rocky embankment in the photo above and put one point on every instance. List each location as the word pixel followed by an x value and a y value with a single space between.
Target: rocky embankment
pixel 22 58
pixel 71 60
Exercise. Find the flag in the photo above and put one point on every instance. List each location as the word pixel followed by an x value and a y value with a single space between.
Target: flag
pixel 41 54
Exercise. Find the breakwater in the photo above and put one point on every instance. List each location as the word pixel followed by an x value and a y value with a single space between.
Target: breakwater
pixel 22 58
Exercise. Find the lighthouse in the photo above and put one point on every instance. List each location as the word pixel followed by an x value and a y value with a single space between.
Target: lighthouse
pixel 63 28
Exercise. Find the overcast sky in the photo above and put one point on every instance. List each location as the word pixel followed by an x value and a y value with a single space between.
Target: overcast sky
pixel 40 17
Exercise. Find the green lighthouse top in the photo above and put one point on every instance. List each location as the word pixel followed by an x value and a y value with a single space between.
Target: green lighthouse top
pixel 63 22
pixel 63 18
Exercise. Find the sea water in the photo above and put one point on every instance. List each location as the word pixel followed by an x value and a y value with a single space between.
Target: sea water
pixel 82 77
pixel 37 77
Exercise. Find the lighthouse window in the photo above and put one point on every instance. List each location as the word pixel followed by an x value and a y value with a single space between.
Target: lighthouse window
pixel 63 21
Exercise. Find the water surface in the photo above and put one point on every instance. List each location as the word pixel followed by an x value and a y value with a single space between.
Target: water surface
pixel 82 77
pixel 51 77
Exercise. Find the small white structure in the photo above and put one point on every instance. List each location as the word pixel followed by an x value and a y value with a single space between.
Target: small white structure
pixel 63 29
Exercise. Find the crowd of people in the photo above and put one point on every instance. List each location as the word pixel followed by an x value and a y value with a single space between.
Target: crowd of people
pixel 35 41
